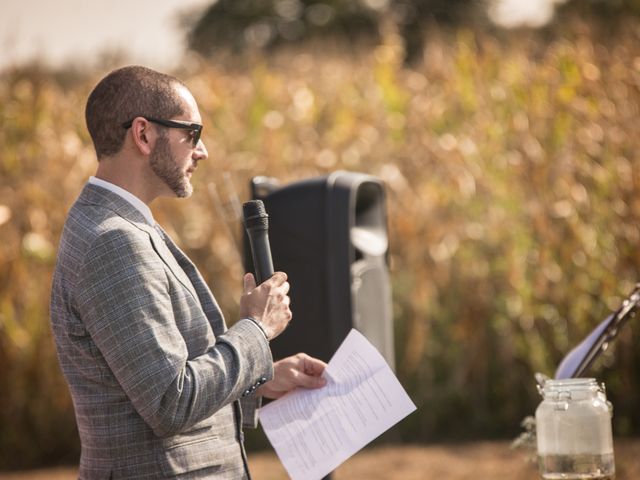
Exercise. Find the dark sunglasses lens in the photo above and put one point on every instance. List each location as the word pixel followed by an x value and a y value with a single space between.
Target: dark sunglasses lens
pixel 195 136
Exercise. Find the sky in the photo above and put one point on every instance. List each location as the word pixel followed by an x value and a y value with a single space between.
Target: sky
pixel 57 31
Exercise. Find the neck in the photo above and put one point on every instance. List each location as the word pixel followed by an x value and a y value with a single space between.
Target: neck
pixel 122 172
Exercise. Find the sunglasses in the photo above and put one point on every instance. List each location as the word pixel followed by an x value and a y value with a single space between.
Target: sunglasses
pixel 195 129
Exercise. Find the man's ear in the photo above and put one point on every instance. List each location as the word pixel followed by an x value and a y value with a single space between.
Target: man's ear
pixel 143 135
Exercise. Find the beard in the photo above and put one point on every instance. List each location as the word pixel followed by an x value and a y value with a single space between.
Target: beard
pixel 164 165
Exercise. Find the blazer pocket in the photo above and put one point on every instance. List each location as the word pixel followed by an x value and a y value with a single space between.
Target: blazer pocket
pixel 197 453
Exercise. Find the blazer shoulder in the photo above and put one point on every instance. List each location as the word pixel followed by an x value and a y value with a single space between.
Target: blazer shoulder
pixel 98 219
pixel 94 230
pixel 116 236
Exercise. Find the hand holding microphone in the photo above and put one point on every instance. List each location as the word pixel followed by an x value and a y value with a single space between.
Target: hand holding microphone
pixel 268 303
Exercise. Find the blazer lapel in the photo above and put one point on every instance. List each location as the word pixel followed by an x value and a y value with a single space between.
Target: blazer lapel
pixel 207 300
pixel 162 248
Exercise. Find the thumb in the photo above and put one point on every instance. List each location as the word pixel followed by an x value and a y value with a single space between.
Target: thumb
pixel 249 282
pixel 310 381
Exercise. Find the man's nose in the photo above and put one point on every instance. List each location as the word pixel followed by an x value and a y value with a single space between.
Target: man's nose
pixel 201 152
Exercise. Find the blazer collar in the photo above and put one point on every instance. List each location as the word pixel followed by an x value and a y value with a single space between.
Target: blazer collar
pixel 96 195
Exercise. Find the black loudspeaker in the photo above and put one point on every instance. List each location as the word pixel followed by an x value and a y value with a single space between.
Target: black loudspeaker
pixel 329 234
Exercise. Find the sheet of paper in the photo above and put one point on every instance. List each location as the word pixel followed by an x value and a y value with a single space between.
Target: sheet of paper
pixel 314 431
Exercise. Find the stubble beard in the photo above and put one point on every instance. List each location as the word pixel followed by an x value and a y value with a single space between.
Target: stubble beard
pixel 164 165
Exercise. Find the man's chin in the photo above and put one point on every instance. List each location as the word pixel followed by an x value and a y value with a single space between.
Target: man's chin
pixel 183 191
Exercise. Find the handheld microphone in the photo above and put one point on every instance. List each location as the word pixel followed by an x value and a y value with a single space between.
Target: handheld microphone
pixel 256 223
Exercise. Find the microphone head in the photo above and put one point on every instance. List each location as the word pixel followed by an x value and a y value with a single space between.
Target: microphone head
pixel 255 215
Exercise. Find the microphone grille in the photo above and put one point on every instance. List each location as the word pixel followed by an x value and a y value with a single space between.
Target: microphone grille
pixel 255 215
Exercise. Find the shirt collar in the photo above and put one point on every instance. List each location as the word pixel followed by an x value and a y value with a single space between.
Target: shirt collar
pixel 128 196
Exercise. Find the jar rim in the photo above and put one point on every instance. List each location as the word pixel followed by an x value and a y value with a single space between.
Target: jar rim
pixel 570 383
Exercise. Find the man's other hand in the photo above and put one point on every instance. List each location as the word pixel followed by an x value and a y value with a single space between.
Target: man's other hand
pixel 299 370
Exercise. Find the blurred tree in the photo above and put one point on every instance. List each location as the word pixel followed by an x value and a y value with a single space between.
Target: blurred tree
pixel 607 7
pixel 257 24
pixel 241 25
pixel 249 24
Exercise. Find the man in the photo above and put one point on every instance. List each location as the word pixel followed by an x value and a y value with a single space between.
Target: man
pixel 160 385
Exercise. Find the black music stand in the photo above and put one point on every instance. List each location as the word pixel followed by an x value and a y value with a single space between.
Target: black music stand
pixel 578 360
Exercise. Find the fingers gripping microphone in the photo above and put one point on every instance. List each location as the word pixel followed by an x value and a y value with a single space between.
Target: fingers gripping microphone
pixel 256 222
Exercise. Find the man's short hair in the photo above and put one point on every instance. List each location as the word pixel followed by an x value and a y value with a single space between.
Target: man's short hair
pixel 123 95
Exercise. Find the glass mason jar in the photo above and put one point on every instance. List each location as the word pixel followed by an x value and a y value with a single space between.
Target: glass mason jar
pixel 573 431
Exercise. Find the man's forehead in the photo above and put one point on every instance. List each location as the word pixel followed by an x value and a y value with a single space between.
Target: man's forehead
pixel 190 106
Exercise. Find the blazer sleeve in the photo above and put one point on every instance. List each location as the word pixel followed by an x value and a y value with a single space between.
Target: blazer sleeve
pixel 124 299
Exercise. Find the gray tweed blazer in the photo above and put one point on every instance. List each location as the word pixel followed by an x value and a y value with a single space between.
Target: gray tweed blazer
pixel 159 383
